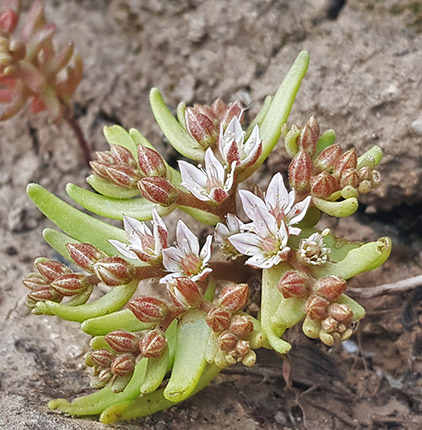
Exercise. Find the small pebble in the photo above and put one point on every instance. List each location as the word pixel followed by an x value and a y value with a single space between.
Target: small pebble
pixel 416 126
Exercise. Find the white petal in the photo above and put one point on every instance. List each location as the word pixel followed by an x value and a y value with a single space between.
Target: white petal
pixel 135 230
pixel 298 211
pixel 264 223
pixel 124 249
pixel 277 195
pixel 213 168
pixel 252 144
pixel 172 258
pixel 205 254
pixel 221 233
pixel 194 180
pixel 246 243
pixel 263 262
pixel 160 232
pixel 250 202
pixel 186 240
pixel 233 223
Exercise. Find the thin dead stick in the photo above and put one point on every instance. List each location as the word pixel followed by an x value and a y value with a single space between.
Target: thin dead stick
pixel 393 288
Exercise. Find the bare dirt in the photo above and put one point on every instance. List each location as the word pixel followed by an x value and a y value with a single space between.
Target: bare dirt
pixel 364 81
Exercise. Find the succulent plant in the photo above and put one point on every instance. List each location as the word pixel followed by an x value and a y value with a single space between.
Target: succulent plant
pixel 150 352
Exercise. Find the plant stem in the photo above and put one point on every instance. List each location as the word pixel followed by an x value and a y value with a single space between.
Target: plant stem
pixel 70 118
pixel 234 271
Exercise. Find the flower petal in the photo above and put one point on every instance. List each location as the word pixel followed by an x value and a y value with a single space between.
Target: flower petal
pixel 186 240
pixel 247 243
pixel 205 254
pixel 277 195
pixel 298 211
pixel 250 202
pixel 124 249
pixel 194 180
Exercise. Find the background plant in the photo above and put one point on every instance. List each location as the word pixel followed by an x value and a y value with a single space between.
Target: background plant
pixel 199 329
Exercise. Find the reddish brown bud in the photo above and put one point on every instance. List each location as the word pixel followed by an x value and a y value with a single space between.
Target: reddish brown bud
pixel 104 376
pixel 122 155
pixel 85 255
pixel 309 136
pixel 242 348
pixel 316 307
pixel 234 297
pixel 329 325
pixel 70 284
pixel 51 269
pixel 8 21
pixel 99 169
pixel 294 284
pixel 200 127
pixel 340 312
pixel 43 294
pixel 102 357
pixel 123 341
pixel 185 293
pixel 327 158
pixel 227 341
pixel 158 190
pixel 364 187
pixel 300 170
pixel 218 108
pixel 323 185
pixel 153 344
pixel 151 163
pixel 349 177
pixel 148 309
pixel 105 157
pixel 330 287
pixel 114 271
pixel 234 109
pixel 365 173
pixel 33 281
pixel 218 319
pixel 122 175
pixel 346 161
pixel 241 326
pixel 123 364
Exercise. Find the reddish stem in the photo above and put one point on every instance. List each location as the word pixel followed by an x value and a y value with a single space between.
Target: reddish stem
pixel 70 118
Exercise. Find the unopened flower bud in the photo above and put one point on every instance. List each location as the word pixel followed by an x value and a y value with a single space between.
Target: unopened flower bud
pixel 327 338
pixel 348 160
pixel 249 359
pixel 365 173
pixel 102 357
pixel 241 326
pixel 349 177
pixel 8 21
pixel 105 375
pixel 151 163
pixel 329 324
pixel 122 175
pixel 41 295
pixel 218 108
pixel 148 309
pixel 153 344
pixel 122 155
pixel 201 127
pixel 340 312
pixel 114 271
pixel 242 348
pixel 51 269
pixel 234 297
pixel 123 364
pixel 327 158
pixel 227 341
pixel 294 284
pixel 34 281
pixel 300 170
pixel 158 190
pixel 309 136
pixel 234 109
pixel 330 287
pixel 375 178
pixel 185 293
pixel 123 341
pixel 316 307
pixel 364 187
pixel 218 319
pixel 99 169
pixel 323 185
pixel 85 255
pixel 70 284
pixel 105 157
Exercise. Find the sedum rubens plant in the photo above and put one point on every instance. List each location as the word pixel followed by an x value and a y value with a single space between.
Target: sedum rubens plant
pixel 150 352
pixel 33 72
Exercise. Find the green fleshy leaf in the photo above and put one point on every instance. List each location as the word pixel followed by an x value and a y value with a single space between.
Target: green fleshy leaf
pixel 108 189
pixel 370 158
pixel 116 135
pixel 139 208
pixel 155 373
pixel 181 107
pixel 114 300
pixel 122 320
pixel 279 110
pixel 338 209
pixel 100 400
pixel 58 241
pixel 290 143
pixel 289 312
pixel 151 403
pixel 74 222
pixel 171 335
pixel 80 299
pixel 327 139
pixel 139 139
pixel 260 116
pixel 362 259
pixel 99 342
pixel 179 138
pixel 270 301
pixel 357 309
pixel 200 215
pixel 189 361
